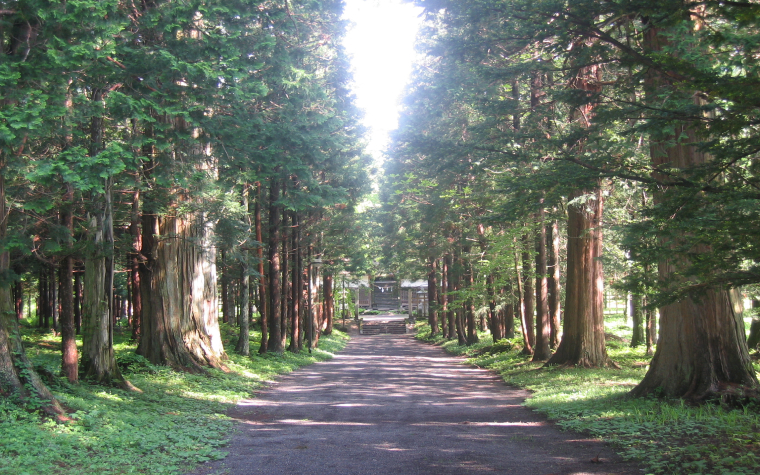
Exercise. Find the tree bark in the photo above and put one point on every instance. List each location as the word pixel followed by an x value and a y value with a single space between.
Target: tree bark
pixel 702 352
pixel 178 281
pixel 263 300
pixel 243 346
pixel 329 303
pixel 494 319
pixel 526 331
pixel 54 307
pixel 98 359
pixel 78 294
pixel 508 318
pixel 311 291
pixel 70 354
pixel 286 294
pixel 554 284
pixel 18 379
pixel 583 342
pixel 444 300
pixel 637 321
pixel 275 327
pixel 433 295
pixel 450 287
pixel 225 271
pixel 459 313
pixel 651 329
pixel 528 291
pixel 469 306
pixel 541 351
pixel 134 229
pixel 297 290
pixel 42 318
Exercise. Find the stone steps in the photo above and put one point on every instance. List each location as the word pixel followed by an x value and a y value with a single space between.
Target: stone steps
pixel 397 327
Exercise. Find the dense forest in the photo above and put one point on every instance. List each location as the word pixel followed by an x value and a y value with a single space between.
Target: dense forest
pixel 167 167
pixel 172 165
pixel 550 148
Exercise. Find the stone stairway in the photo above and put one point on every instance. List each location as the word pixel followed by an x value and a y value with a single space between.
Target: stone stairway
pixel 393 327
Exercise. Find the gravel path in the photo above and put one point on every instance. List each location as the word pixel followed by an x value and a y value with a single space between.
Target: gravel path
pixel 388 404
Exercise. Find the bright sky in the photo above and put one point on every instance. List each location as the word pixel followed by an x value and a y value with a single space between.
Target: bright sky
pixel 381 43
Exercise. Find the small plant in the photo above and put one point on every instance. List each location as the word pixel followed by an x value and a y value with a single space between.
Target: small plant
pixel 502 346
pixel 131 363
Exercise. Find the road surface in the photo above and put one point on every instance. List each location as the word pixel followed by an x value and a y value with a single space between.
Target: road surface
pixel 388 404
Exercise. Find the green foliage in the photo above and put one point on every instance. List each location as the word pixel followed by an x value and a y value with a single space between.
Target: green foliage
pixel 131 363
pixel 369 312
pixel 176 421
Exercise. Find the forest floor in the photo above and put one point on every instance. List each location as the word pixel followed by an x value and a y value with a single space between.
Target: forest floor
pixel 176 420
pixel 390 404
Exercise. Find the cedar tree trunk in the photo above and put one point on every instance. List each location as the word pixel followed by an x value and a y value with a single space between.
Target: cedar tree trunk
pixel 18 379
pixel 135 255
pixel 541 351
pixel 275 272
pixel 554 284
pixel 702 352
pixel 297 287
pixel 70 354
pixel 583 342
pixel 433 295
pixel 329 303
pixel 98 359
pixel 286 293
pixel 443 298
pixel 178 281
pixel 528 294
pixel 527 347
pixel 263 301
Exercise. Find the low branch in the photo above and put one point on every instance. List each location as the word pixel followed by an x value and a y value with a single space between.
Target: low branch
pixel 116 62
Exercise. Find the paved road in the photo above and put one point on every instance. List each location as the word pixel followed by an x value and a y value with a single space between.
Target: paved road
pixel 388 404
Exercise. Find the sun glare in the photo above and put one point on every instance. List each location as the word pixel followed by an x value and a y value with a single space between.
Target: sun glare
pixel 381 44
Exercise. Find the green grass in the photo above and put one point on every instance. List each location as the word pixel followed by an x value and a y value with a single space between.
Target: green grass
pixel 667 437
pixel 176 422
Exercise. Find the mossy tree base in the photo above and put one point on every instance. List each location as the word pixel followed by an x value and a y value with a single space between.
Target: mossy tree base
pixel 18 378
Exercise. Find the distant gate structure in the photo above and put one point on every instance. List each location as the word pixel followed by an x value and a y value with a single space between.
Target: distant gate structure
pixel 386 293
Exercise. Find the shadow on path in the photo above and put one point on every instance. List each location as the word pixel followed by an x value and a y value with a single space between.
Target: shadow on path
pixel 388 404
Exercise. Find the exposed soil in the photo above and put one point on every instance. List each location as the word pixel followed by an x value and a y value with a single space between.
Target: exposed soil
pixel 388 404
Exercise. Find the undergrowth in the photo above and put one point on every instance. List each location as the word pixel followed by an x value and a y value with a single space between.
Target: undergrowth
pixel 665 436
pixel 176 422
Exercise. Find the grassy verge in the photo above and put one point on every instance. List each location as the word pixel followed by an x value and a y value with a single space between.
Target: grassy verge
pixel 176 422
pixel 667 437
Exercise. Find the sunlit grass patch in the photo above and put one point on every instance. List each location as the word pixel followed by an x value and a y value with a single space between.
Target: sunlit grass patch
pixel 176 422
